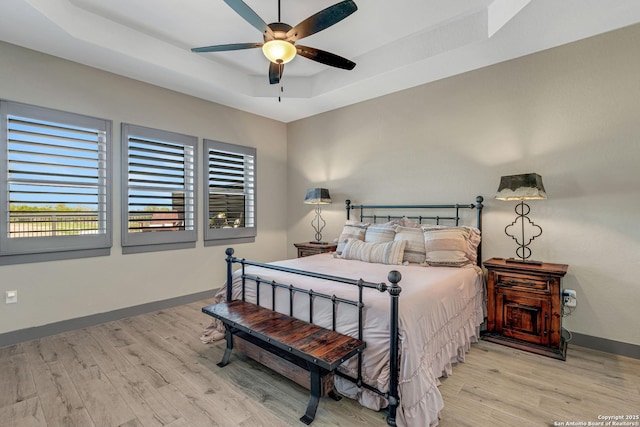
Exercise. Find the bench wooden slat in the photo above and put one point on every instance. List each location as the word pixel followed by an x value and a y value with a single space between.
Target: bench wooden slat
pixel 320 346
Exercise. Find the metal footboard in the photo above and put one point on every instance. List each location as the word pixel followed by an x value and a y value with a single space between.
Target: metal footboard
pixel 393 289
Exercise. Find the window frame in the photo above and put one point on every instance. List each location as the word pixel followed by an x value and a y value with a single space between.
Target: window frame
pixel 226 236
pixel 158 241
pixel 51 248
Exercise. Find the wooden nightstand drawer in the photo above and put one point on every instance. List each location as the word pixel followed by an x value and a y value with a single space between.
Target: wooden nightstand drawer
pixel 308 251
pixel 309 248
pixel 522 281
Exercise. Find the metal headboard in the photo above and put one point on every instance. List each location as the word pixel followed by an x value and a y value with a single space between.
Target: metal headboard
pixel 450 214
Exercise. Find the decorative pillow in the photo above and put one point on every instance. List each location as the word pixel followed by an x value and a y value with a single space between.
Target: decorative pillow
pixel 406 222
pixel 391 223
pixel 381 253
pixel 473 242
pixel 415 250
pixel 451 246
pixel 472 236
pixel 379 234
pixel 351 230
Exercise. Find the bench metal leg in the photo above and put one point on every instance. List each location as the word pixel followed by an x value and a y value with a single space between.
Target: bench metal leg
pixel 227 352
pixel 314 395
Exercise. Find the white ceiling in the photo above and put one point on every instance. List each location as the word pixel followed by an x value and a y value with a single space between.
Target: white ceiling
pixel 395 44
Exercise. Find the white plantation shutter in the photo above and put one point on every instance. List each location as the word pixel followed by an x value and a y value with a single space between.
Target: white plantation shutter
pixel 158 189
pixel 230 195
pixel 54 175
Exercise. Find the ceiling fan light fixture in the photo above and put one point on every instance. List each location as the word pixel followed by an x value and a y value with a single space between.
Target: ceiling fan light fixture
pixel 279 51
pixel 280 38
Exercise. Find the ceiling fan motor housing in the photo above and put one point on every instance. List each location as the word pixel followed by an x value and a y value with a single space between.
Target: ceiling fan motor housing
pixel 279 30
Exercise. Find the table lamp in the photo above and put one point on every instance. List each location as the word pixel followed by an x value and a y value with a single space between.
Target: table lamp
pixel 522 187
pixel 318 196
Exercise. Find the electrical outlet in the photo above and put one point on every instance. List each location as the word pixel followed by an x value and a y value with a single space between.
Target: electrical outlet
pixel 11 297
pixel 569 298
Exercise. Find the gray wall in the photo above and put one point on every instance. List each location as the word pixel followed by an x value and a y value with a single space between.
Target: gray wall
pixel 55 291
pixel 571 114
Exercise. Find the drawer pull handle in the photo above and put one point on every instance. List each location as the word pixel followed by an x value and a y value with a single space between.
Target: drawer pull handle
pixel 518 282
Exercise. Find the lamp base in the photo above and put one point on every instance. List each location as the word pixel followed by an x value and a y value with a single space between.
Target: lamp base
pixel 522 261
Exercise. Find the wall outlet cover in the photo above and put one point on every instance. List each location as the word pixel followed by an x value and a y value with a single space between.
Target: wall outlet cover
pixel 11 297
pixel 569 298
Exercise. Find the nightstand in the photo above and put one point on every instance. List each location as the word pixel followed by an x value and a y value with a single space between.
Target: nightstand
pixel 310 248
pixel 524 306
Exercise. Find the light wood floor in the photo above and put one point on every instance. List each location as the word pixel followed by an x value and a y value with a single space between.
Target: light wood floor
pixel 152 370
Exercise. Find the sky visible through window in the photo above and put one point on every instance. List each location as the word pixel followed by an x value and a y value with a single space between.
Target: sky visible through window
pixel 157 171
pixel 56 178
pixel 53 164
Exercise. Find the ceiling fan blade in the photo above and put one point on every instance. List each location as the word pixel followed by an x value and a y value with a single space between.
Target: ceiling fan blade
pixel 225 47
pixel 250 16
pixel 321 20
pixel 326 58
pixel 275 72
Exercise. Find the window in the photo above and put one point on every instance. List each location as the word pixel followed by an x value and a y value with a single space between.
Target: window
pixel 230 193
pixel 159 187
pixel 56 191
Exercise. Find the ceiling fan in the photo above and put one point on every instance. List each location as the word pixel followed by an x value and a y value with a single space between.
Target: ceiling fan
pixel 279 38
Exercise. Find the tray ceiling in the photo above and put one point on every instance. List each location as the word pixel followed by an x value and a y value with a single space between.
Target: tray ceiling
pixel 396 45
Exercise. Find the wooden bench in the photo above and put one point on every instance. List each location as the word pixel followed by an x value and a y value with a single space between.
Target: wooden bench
pixel 301 351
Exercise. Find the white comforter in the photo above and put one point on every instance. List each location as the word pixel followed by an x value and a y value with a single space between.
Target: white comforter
pixel 441 309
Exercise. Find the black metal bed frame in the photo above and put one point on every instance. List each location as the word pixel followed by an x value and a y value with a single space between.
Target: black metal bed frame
pixel 393 289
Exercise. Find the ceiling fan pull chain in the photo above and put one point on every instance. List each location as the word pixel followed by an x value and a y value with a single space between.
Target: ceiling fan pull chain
pixel 281 66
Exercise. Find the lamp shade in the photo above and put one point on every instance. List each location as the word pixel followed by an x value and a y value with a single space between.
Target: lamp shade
pixel 526 186
pixel 279 51
pixel 317 196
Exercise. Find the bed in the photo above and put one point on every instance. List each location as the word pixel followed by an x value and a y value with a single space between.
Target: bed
pixel 415 323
